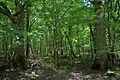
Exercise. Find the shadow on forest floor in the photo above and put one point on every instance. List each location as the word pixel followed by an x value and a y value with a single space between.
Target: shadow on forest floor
pixel 37 71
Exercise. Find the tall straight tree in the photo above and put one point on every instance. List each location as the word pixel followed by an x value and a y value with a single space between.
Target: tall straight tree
pixel 18 19
pixel 99 36
pixel 19 56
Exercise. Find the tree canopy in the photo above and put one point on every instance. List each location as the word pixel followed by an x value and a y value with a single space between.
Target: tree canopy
pixel 63 33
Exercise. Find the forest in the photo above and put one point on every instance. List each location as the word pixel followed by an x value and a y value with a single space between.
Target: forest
pixel 59 39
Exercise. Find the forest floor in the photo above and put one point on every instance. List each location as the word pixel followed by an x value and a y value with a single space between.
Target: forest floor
pixel 38 71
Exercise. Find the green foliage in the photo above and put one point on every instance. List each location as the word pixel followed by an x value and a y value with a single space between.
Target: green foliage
pixel 58 28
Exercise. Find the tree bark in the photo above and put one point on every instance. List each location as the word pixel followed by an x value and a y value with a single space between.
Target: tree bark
pixel 18 19
pixel 28 29
pixel 100 61
pixel 19 53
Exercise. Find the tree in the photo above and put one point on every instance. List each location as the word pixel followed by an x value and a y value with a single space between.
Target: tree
pixel 99 35
pixel 18 19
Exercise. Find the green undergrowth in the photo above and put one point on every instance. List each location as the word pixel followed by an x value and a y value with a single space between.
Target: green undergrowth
pixel 65 63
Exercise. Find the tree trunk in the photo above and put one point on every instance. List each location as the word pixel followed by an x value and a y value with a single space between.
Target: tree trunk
pixel 18 19
pixel 19 53
pixel 28 29
pixel 100 61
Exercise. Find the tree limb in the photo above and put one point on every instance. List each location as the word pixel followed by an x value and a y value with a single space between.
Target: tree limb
pixel 4 10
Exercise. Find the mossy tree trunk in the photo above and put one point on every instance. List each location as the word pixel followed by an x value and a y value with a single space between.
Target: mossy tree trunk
pixel 19 55
pixel 18 19
pixel 99 35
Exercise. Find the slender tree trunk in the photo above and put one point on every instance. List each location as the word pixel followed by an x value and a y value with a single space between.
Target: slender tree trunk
pixel 28 27
pixel 92 42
